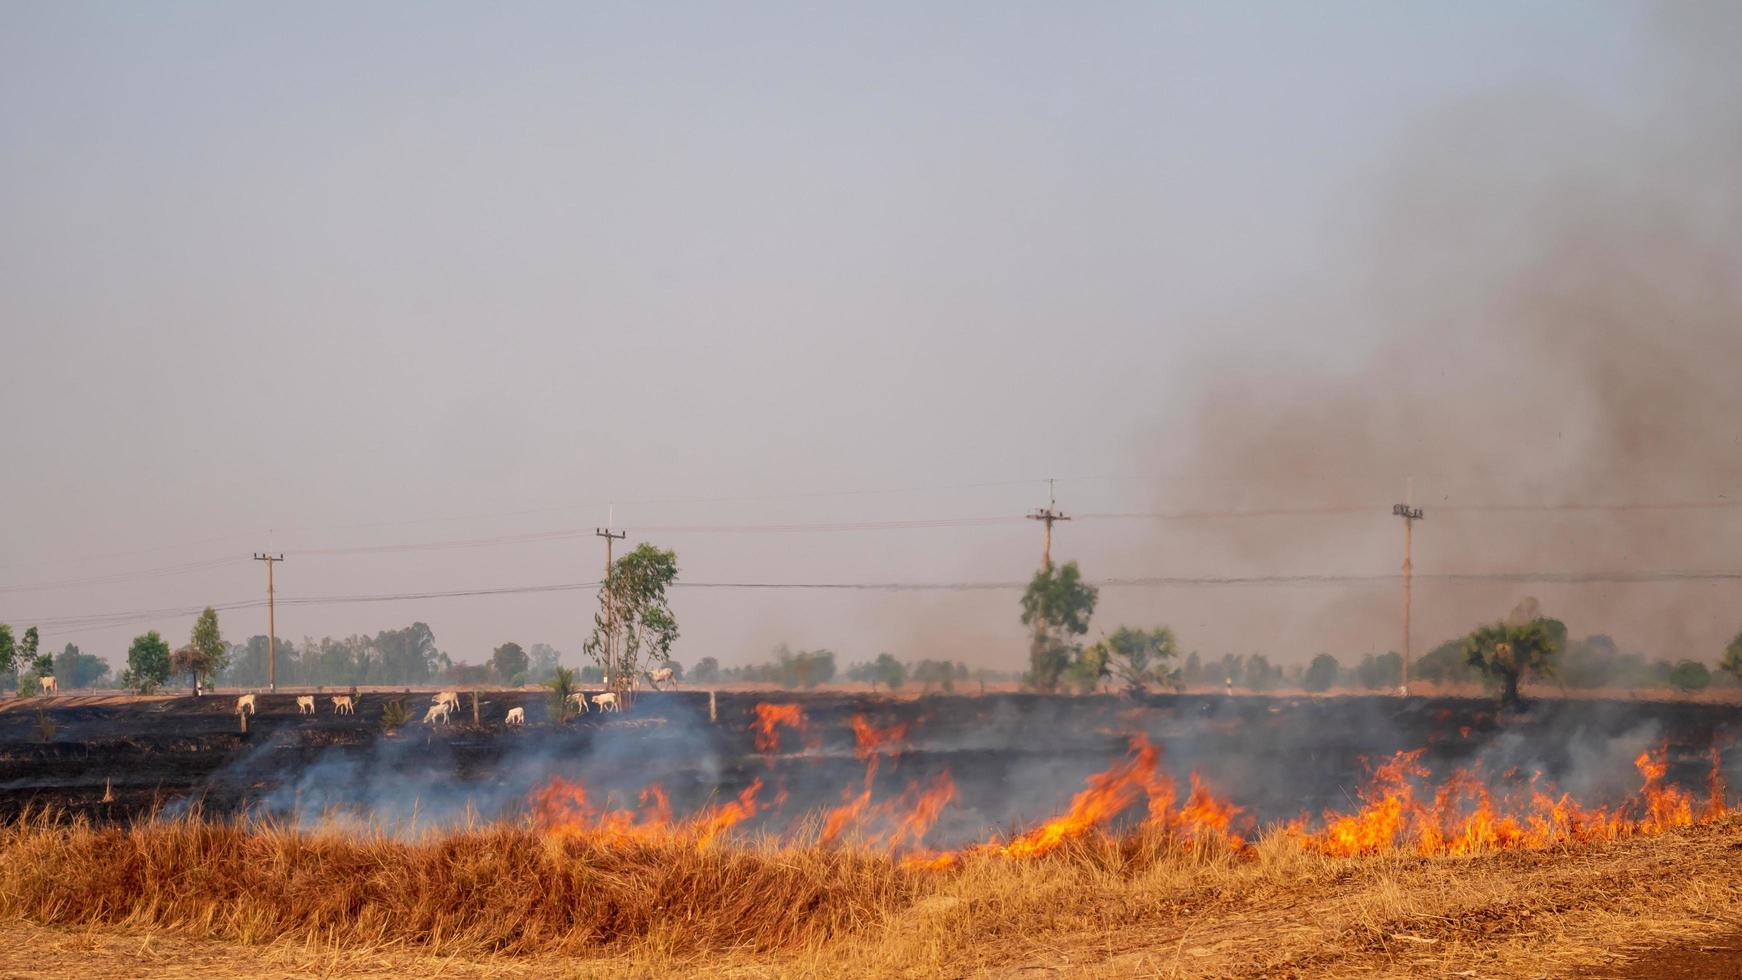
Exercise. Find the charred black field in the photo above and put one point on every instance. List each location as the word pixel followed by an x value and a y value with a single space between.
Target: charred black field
pixel 1014 759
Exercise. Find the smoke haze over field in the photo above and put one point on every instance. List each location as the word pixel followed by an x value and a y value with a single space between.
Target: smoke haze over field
pixel 1558 284
pixel 341 281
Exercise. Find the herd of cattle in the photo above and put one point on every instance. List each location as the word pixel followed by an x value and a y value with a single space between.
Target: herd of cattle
pixel 445 702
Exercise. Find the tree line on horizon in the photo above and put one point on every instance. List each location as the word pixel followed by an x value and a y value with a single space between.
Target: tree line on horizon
pixel 1526 645
pixel 1057 608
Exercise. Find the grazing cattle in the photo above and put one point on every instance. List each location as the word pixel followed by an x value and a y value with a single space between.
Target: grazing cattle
pixel 516 716
pixel 438 710
pixel 606 701
pixel 449 698
pixel 580 700
pixel 305 704
pixel 663 675
pixel 245 703
pixel 342 705
pixel 50 686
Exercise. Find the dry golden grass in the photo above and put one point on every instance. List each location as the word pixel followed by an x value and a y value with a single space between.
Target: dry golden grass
pixel 502 901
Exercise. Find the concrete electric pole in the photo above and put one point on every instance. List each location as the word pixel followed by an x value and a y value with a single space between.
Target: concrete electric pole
pixel 610 536
pixel 1047 515
pixel 1410 515
pixel 271 622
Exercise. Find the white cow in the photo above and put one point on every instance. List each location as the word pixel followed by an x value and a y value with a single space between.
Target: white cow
pixel 516 716
pixel 580 700
pixel 245 703
pixel 663 675
pixel 438 710
pixel 50 686
pixel 450 698
pixel 606 701
pixel 305 704
pixel 342 705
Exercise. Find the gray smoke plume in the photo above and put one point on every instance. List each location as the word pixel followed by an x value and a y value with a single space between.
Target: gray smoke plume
pixel 1559 317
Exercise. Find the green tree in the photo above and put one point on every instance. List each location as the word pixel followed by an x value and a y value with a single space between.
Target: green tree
pixel 633 608
pixel 206 654
pixel 707 671
pixel 407 656
pixel 147 663
pixel 78 669
pixel 509 661
pixel 544 661
pixel 1193 671
pixel 1140 658
pixel 1731 664
pixel 1445 664
pixel 1380 672
pixel 813 667
pixel 1088 668
pixel 1056 607
pixel 8 650
pixel 888 671
pixel 1525 644
pixel 1689 676
pixel 1321 674
pixel 28 657
pixel 935 673
pixel 1261 674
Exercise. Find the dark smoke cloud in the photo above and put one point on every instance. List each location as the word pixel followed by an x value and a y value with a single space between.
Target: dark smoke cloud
pixel 1557 284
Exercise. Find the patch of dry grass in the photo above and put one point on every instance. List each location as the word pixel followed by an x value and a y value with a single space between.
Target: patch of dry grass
pixel 508 901
pixel 490 890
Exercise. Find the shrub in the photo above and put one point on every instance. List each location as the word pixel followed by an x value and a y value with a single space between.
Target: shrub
pixel 394 716
pixel 561 686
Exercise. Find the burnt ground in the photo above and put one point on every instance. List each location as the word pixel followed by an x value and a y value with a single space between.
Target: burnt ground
pixel 1014 758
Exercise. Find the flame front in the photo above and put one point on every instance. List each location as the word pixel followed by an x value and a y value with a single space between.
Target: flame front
pixel 1402 808
pixel 1464 817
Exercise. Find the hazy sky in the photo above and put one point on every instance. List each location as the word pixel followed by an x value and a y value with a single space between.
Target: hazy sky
pixel 329 276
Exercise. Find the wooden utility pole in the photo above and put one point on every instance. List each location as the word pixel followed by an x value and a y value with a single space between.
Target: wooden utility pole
pixel 610 610
pixel 1047 515
pixel 271 622
pixel 1410 515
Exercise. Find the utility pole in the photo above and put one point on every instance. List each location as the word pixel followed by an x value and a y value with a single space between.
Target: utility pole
pixel 1410 515
pixel 610 611
pixel 271 621
pixel 1047 515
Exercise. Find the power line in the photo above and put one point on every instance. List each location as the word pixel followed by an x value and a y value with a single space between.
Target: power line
pixel 559 534
pixel 165 571
pixel 73 624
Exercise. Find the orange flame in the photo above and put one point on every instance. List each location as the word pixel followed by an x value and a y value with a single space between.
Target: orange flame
pixel 1465 818
pixel 1107 795
pixel 911 816
pixel 561 807
pixel 1400 808
pixel 869 738
pixel 769 719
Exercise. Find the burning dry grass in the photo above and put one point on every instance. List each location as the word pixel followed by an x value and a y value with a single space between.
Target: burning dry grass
pixel 1142 903
pixel 1423 875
